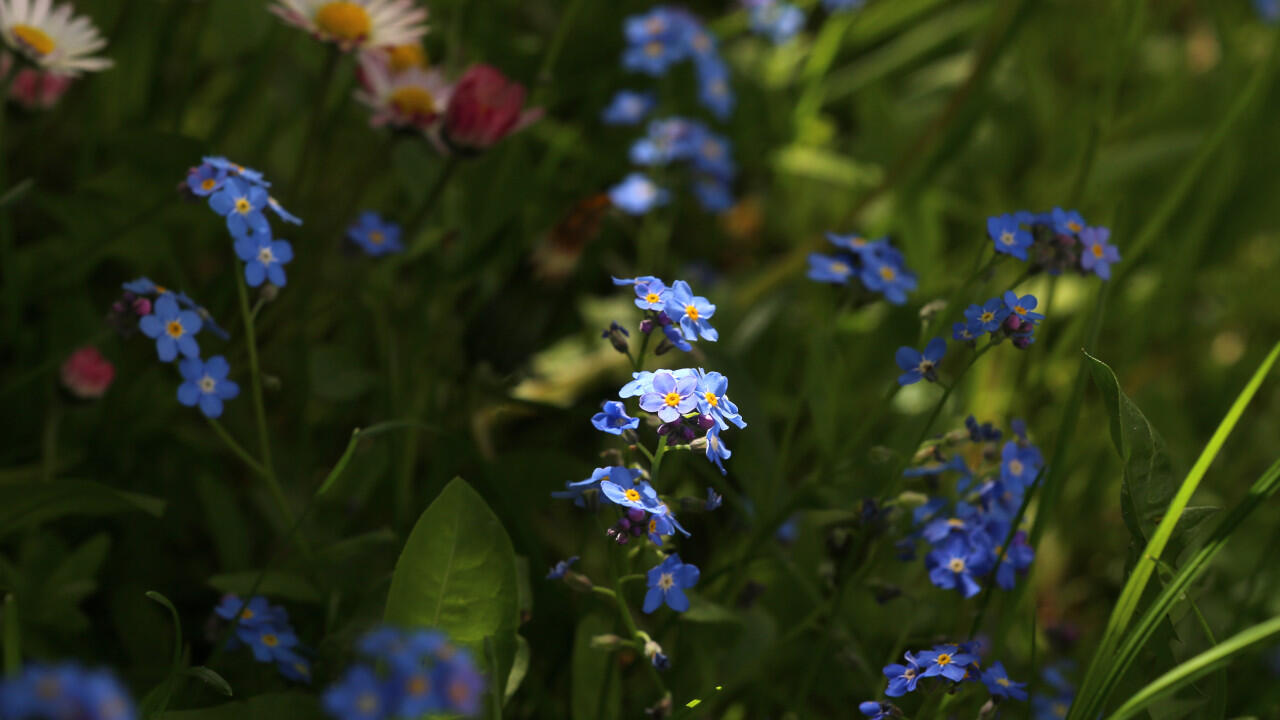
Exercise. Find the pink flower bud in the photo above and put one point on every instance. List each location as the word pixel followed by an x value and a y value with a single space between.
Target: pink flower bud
pixel 142 306
pixel 484 108
pixel 86 374
pixel 36 90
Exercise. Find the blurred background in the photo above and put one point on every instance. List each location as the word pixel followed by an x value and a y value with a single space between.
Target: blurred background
pixel 915 119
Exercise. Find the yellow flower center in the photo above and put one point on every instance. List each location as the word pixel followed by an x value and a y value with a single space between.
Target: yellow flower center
pixel 955 523
pixel 652 298
pixel 1015 467
pixel 711 399
pixel 653 526
pixel 701 42
pixel 265 256
pixel 691 311
pixel 711 149
pixel 672 399
pixel 925 366
pixel 1074 226
pixel 207 384
pixel 302 670
pixel 633 495
pixel 376 237
pixel 857 241
pixel 987 317
pixel 1019 309
pixel 908 673
pixel 243 206
pixel 1006 237
pixel 403 57
pixel 344 20
pixel 418 685
pixel 666 581
pixel 1060 709
pixel 413 101
pixel 945 658
pixel 1096 250
pixel 367 704
pixel 208 184
pixel 1002 682
pixel 839 267
pixel 247 614
pixel 34 39
pixel 653 49
pixel 270 640
pixel 887 273
pixel 957 566
pixel 161 289
pixel 174 329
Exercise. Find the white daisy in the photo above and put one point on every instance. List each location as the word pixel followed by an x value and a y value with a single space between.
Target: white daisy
pixel 55 41
pixel 414 97
pixel 356 23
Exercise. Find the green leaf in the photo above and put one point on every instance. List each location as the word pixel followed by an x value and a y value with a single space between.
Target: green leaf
pixel 26 504
pixel 210 678
pixel 596 683
pixel 275 584
pixel 271 706
pixel 457 573
pixel 176 662
pixel 704 611
pixel 519 668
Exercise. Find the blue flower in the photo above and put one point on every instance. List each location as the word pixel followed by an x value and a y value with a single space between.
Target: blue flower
pixel 710 153
pixel 206 180
pixel 1066 222
pixel 887 276
pixel 360 695
pixel 671 396
pixel 248 174
pixel 713 400
pixel 917 365
pixel 965 332
pixel 269 643
pixel 253 613
pixel 953 528
pixel 576 490
pixel 172 328
pixel 1268 10
pixel 667 583
pixel 205 383
pixel 829 269
pixel 876 710
pixel 656 41
pixel 945 660
pixel 632 281
pixel 141 286
pixel 956 464
pixel 241 204
pixel 713 87
pixel 1022 306
pixel 1008 237
pixel 675 337
pixel 561 568
pixel 62 691
pixel 714 500
pixel 620 488
pixel 986 432
pixel 902 678
pixel 375 235
pixel 955 566
pixel 1019 464
pixel 1017 558
pixel 717 451
pixel 463 685
pixel 628 107
pixel 857 244
pixel 281 213
pixel 651 295
pixel 293 666
pixel 779 21
pixel 692 312
pixel 1097 255
pixel 637 195
pixel 264 259
pixel 641 383
pixel 988 316
pixel 713 194
pixel 613 418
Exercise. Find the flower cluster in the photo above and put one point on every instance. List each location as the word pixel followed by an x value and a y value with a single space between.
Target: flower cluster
pixel 952 664
pixel 239 194
pixel 265 629
pixel 64 692
pixel 1055 241
pixel 666 36
pixel 406 674
pixel 780 21
pixel 1056 704
pixel 878 265
pixel 1008 316
pixel 678 140
pixel 682 316
pixel 967 536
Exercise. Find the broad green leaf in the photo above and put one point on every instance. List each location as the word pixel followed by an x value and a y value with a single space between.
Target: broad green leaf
pixel 596 682
pixel 457 573
pixel 275 584
pixel 271 706
pixel 26 504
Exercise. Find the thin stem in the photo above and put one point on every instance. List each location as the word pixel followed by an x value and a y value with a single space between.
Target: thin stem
pixel 415 223
pixel 657 459
pixel 238 449
pixel 638 361
pixel 634 633
pixel 333 55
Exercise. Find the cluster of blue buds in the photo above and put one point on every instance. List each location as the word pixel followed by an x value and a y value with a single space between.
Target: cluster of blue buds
pixel 266 630
pixel 173 320
pixel 1054 241
pixel 64 692
pixel 966 536
pixel 239 194
pixel 406 674
pixel 1008 316
pixel 682 316
pixel 671 140
pixel 666 36
pixel 952 664
pixel 878 266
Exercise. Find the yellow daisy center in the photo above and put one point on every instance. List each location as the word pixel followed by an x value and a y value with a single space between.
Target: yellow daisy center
pixel 887 272
pixel 711 399
pixel 243 206
pixel 1096 250
pixel 403 57
pixel 413 101
pixel 945 658
pixel 174 329
pixel 691 311
pixel 34 39
pixel 344 20
pixel 270 640
pixel 633 495
pixel 957 566
pixel 672 399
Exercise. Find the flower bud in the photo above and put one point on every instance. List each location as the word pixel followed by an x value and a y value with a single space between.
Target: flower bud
pixel 1013 323
pixel 647 325
pixel 663 348
pixel 86 374
pixel 577 581
pixel 706 422
pixel 606 642
pixel 1022 341
pixel 484 108
pixel 636 515
pixel 141 306
pixel 617 336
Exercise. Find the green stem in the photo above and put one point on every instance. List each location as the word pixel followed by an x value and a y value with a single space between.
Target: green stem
pixel 333 55
pixel 638 361
pixel 557 41
pixel 657 459
pixel 238 449
pixel 415 223
pixel 634 633
pixel 12 637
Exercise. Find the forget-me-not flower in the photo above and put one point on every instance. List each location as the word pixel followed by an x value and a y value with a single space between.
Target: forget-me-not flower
pixel 172 328
pixel 205 384
pixel 667 583
pixel 920 365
